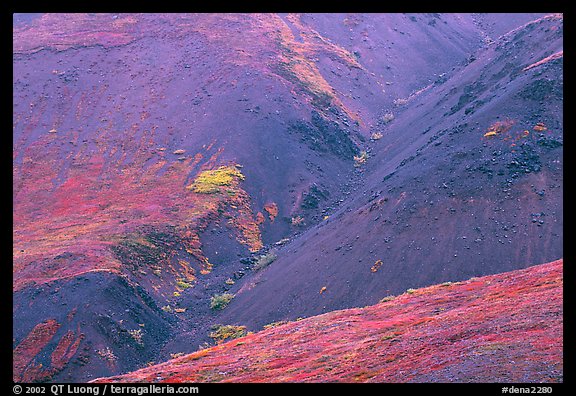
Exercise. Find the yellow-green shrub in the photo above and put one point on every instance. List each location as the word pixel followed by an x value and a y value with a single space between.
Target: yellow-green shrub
pixel 220 301
pixel 221 333
pixel 210 181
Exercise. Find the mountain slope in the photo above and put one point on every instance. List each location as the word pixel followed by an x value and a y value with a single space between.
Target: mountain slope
pixel 465 181
pixel 500 328
pixel 134 167
pixel 157 156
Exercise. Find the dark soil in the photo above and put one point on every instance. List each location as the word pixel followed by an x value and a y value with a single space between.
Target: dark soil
pixel 369 156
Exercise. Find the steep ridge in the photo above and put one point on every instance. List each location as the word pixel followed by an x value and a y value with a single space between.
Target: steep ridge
pixel 501 328
pixel 157 156
pixel 465 181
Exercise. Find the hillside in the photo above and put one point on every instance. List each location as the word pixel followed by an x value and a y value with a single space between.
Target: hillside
pixel 500 328
pixel 466 181
pixel 164 161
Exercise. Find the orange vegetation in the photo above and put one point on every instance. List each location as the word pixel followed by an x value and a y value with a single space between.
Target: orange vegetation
pixel 499 127
pixel 499 328
pixel 272 210
pixel 557 55
pixel 376 266
pixel 540 127
pixel 296 64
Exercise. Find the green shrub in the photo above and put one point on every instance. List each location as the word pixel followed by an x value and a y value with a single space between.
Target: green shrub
pixel 359 160
pixel 376 136
pixel 220 301
pixel 136 335
pixel 222 333
pixel 210 181
pixel 388 117
pixel 107 354
pixel 264 260
pixel 387 298
pixel 275 324
pixel 297 221
pixel 183 285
